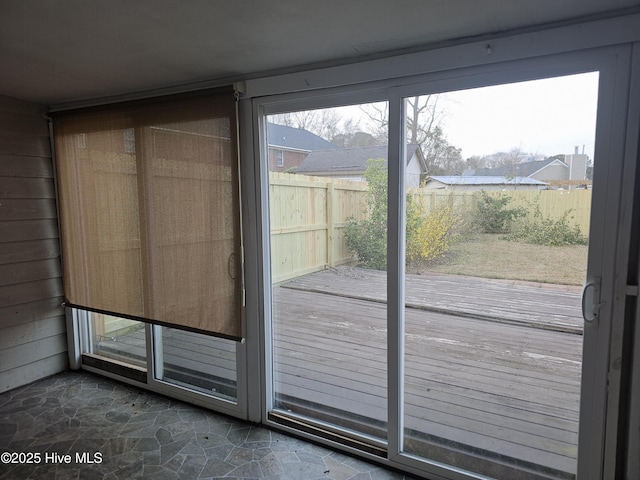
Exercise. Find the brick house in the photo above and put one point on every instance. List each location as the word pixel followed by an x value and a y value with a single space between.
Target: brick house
pixel 289 146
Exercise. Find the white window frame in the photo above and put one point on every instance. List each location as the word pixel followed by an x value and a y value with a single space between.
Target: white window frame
pixel 600 412
pixel 599 404
pixel 79 321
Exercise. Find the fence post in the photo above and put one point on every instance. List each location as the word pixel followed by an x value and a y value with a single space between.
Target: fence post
pixel 330 224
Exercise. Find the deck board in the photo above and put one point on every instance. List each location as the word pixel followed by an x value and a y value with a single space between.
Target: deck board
pixel 553 307
pixel 492 365
pixel 506 380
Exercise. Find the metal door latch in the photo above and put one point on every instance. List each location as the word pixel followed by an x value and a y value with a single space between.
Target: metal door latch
pixel 591 301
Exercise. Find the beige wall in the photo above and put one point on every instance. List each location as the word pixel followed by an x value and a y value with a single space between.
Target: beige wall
pixel 552 172
pixel 577 166
pixel 413 173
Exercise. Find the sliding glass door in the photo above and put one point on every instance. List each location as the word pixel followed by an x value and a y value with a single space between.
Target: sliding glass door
pixel 328 325
pixel 495 259
pixel 425 302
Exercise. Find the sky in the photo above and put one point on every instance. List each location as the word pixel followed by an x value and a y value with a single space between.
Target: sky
pixel 540 117
pixel 546 117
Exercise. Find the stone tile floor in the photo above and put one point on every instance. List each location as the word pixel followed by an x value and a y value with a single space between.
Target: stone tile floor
pixel 130 433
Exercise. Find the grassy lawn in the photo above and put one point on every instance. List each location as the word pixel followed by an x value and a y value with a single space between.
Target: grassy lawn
pixel 489 256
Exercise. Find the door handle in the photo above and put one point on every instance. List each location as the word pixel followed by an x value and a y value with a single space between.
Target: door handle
pixel 591 301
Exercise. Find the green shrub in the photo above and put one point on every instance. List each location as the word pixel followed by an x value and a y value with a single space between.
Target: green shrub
pixel 368 238
pixel 427 236
pixel 537 229
pixel 492 214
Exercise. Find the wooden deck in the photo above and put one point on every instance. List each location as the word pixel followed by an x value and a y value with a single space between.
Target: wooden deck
pixel 491 368
pixel 552 307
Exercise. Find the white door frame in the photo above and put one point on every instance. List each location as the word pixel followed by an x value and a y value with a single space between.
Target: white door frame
pixel 606 260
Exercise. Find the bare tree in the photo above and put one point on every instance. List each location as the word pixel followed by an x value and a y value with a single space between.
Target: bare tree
pixel 508 161
pixel 423 117
pixel 441 157
pixel 505 159
pixel 325 123
pixel 476 162
pixel 357 139
pixel 377 115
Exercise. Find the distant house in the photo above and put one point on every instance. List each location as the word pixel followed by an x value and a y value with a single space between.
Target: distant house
pixel 574 167
pixel 488 182
pixel 350 163
pixel 289 146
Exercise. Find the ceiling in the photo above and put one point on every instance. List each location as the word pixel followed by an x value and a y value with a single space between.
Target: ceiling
pixel 58 51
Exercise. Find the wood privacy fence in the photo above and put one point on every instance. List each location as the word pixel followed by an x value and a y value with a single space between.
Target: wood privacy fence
pixel 552 203
pixel 309 214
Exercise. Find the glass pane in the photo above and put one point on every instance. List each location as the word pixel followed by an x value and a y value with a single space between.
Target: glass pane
pixel 199 362
pixel 327 201
pixel 119 339
pixel 496 256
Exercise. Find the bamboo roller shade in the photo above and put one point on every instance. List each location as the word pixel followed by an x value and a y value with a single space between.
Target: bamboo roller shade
pixel 149 212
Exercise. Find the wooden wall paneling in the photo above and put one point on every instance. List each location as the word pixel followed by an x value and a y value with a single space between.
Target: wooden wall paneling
pixel 27 312
pixel 12 166
pixel 33 342
pixel 25 230
pixel 33 371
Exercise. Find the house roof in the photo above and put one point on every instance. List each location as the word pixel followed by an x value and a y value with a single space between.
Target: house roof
pixel 349 160
pixel 290 138
pixel 484 180
pixel 524 169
